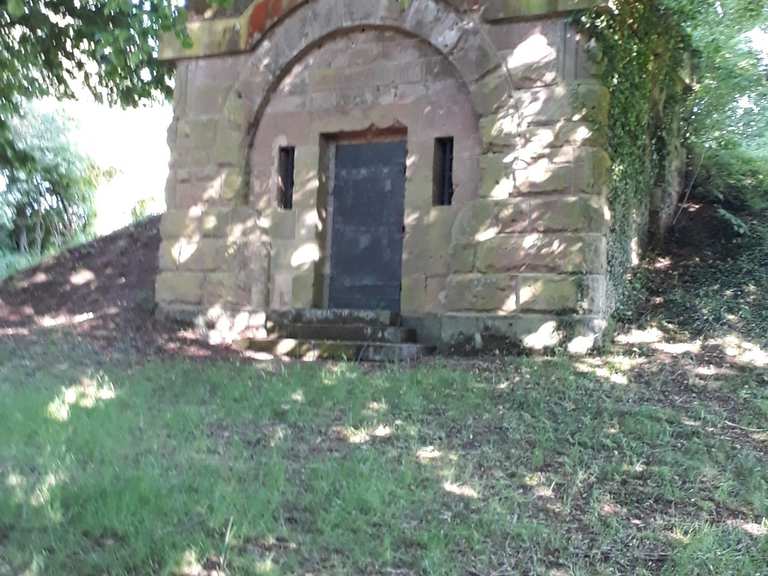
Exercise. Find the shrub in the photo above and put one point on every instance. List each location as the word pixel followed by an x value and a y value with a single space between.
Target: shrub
pixel 734 179
pixel 13 262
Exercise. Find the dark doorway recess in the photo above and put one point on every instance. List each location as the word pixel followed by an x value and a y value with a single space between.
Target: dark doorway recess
pixel 367 225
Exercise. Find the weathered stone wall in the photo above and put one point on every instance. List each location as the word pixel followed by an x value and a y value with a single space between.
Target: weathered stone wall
pixel 521 252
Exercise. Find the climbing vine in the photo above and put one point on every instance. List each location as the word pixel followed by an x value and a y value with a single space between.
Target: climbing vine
pixel 641 54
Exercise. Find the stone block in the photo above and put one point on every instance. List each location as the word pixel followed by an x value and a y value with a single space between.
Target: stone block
pixel 224 289
pixel 481 331
pixel 237 109
pixel 372 11
pixel 556 294
pixel 504 131
pixel 281 224
pixel 179 287
pixel 232 184
pixel 459 329
pixel 209 37
pixel 504 176
pixel 595 295
pixel 491 94
pixel 193 255
pixel 585 101
pixel 427 242
pixel 170 189
pixel 419 190
pixel 281 290
pixel 303 289
pixel 243 225
pixel 569 214
pixel 585 334
pixel 178 223
pixel 194 138
pixel 195 194
pixel 180 88
pixel 481 292
pixel 592 171
pixel 535 61
pixel 440 25
pixel 507 36
pixel 558 253
pixel 281 255
pixel 540 333
pixel 212 223
pixel 427 326
pixel 413 298
pixel 564 169
pixel 512 215
pixel 462 258
pixel 511 9
pixel 230 145
pixel 209 82
pixel 483 219
pixel 475 222
pixel 436 293
pixel 474 56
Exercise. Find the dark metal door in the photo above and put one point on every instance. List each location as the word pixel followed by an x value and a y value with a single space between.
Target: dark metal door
pixel 367 226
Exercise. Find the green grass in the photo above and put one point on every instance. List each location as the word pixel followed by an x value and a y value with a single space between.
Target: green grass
pixel 524 467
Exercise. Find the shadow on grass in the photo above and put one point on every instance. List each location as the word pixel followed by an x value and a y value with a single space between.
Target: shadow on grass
pixel 518 466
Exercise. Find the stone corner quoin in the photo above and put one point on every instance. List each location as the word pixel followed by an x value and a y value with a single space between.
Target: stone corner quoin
pixel 520 251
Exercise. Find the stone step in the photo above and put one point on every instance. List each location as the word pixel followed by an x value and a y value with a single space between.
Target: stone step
pixel 345 332
pixel 337 350
pixel 323 316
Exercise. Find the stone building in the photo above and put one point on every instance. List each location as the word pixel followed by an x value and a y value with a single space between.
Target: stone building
pixel 441 159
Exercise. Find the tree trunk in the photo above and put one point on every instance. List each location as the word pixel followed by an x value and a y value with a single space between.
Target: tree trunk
pixel 21 240
pixel 39 234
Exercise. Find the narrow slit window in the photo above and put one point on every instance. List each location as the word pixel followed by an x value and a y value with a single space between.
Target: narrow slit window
pixel 443 176
pixel 285 173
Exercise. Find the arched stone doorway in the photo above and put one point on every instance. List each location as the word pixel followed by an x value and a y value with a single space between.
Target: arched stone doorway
pixel 364 86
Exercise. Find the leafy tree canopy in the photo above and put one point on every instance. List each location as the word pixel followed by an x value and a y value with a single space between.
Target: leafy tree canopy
pixel 48 47
pixel 47 203
pixel 729 103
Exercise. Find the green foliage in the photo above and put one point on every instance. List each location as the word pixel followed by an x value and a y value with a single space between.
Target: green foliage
pixel 47 203
pixel 51 47
pixel 731 289
pixel 728 103
pixel 648 50
pixel 140 210
pixel 12 262
pixel 734 178
pixel 642 48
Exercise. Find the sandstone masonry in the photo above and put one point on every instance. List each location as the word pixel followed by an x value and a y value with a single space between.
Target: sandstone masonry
pixel 520 253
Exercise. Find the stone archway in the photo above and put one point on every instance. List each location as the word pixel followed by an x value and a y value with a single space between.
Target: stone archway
pixel 454 34
pixel 361 84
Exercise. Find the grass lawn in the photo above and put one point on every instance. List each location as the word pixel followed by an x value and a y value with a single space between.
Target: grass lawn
pixel 123 452
pixel 524 466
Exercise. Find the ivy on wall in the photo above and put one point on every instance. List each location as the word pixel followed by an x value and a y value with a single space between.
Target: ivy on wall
pixel 642 52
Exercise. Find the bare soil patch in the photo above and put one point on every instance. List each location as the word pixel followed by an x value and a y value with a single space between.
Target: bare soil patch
pixel 102 292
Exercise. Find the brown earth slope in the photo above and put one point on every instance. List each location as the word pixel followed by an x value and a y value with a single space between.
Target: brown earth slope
pixel 102 291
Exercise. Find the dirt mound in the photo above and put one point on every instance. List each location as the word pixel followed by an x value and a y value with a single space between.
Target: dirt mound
pixel 103 291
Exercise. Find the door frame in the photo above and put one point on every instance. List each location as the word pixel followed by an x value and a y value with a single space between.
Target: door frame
pixel 325 195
